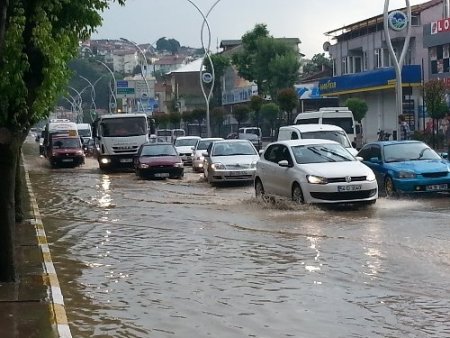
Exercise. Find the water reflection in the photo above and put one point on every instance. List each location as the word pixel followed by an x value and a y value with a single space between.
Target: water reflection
pixel 105 199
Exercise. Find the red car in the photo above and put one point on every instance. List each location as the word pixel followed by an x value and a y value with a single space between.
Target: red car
pixel 65 151
pixel 158 160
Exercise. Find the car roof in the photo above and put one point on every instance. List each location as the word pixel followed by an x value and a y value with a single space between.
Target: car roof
pixel 303 142
pixel 157 143
pixel 211 139
pixel 232 141
pixel 188 137
pixel 385 143
pixel 313 127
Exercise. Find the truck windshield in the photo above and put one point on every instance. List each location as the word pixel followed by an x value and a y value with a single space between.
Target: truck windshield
pixel 124 126
pixel 345 123
pixel 65 143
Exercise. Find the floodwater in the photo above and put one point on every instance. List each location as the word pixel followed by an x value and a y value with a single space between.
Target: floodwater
pixel 172 258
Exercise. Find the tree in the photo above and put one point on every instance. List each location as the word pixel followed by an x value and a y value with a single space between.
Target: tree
pixel 37 40
pixel 161 121
pixel 188 118
pixel 269 62
pixel 437 107
pixel 287 99
pixel 269 112
pixel 169 45
pixel 220 63
pixel 317 63
pixel 175 119
pixel 199 114
pixel 358 107
pixel 256 102
pixel 241 113
pixel 217 118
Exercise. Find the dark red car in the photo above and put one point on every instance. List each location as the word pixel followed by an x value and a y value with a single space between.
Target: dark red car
pixel 65 151
pixel 158 160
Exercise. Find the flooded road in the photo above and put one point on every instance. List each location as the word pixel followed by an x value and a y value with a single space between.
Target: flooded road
pixel 171 258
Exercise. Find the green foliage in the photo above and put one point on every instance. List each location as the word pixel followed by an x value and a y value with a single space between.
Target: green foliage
pixel 169 45
pixel 358 107
pixel 175 119
pixel 287 99
pixel 270 63
pixel 161 121
pixel 270 111
pixel 41 38
pixel 241 113
pixel 317 63
pixel 198 114
pixel 256 102
pixel 435 99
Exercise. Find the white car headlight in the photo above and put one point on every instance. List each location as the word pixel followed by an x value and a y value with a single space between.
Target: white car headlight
pixel 316 179
pixel 406 174
pixel 143 165
pixel 178 165
pixel 253 164
pixel 371 176
pixel 218 166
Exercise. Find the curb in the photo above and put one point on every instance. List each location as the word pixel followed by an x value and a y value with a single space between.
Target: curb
pixel 49 277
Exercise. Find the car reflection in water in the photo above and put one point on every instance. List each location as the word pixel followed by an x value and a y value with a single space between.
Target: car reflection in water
pixel 158 160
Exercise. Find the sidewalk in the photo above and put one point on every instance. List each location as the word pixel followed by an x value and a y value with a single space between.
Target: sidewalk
pixel 29 307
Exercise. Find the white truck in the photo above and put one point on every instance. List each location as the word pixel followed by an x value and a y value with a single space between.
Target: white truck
pixel 118 138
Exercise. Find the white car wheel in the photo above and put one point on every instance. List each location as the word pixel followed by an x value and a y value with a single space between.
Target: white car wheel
pixel 259 189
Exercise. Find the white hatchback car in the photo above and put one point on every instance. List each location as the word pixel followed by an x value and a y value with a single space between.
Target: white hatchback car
pixel 184 145
pixel 198 150
pixel 314 171
pixel 230 161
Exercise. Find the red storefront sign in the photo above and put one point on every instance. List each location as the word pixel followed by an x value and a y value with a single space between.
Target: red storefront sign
pixel 440 26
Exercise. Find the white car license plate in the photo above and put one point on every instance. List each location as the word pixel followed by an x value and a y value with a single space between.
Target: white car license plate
pixel 162 175
pixel 67 160
pixel 343 188
pixel 238 173
pixel 126 160
pixel 437 187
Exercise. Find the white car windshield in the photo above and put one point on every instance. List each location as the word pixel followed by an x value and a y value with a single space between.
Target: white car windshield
pixel 319 153
pixel 409 151
pixel 185 142
pixel 233 149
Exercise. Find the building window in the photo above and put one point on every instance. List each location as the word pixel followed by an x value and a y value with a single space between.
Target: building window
pixel 378 58
pixel 365 61
pixel 440 59
pixel 344 69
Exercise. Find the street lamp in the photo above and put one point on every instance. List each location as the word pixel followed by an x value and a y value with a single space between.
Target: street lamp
pixel 397 21
pixel 113 95
pixel 206 77
pixel 78 102
pixel 93 105
pixel 145 60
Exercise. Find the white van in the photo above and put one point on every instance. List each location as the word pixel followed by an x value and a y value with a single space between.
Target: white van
pixel 338 116
pixel 317 131
pixel 253 134
pixel 85 131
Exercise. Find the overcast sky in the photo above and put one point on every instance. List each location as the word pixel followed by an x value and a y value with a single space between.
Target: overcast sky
pixel 148 20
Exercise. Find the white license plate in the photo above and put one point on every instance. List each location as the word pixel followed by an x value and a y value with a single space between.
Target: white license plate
pixel 238 173
pixel 162 175
pixel 437 187
pixel 67 160
pixel 343 188
pixel 126 160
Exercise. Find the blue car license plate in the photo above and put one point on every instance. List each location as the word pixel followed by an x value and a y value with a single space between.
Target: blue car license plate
pixel 437 187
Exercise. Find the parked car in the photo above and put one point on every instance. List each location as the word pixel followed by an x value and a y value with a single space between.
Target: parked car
pixel 316 131
pixel 184 145
pixel 158 160
pixel 198 150
pixel 406 167
pixel 314 171
pixel 65 151
pixel 230 161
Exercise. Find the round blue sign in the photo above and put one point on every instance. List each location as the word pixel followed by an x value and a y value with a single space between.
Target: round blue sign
pixel 397 20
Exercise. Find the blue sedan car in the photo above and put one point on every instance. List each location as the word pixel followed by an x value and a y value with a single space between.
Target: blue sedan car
pixel 406 167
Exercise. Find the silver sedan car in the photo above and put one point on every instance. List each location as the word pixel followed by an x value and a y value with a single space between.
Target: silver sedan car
pixel 197 155
pixel 230 161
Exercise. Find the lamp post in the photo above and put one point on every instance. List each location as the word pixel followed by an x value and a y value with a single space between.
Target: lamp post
pixel 398 21
pixel 78 103
pixel 146 64
pixel 93 105
pixel 113 94
pixel 204 76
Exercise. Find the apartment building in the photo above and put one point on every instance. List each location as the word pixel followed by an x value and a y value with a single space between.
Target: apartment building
pixel 363 68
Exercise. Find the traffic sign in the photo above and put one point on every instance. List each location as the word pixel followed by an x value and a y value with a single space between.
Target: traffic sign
pixel 125 91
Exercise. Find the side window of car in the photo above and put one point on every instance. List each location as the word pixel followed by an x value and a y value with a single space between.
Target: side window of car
pixel 365 153
pixel 294 136
pixel 376 152
pixel 271 154
pixel 285 155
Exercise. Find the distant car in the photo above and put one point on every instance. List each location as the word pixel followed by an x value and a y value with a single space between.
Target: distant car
pixel 406 167
pixel 314 171
pixel 184 145
pixel 197 153
pixel 65 151
pixel 230 161
pixel 158 160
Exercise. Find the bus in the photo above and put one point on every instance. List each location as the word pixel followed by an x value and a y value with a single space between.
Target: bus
pixel 118 138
